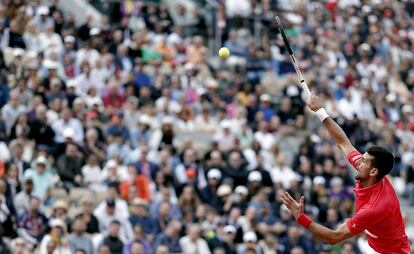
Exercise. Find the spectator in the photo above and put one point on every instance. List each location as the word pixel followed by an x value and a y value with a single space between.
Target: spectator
pixel 112 210
pixel 91 222
pixel 69 167
pixel 250 244
pixel 170 238
pixel 19 246
pixel 41 176
pixel 144 245
pixel 11 111
pixel 57 236
pixel 32 224
pixel 112 240
pixel 193 242
pixel 22 199
pixel 78 239
pixel 67 126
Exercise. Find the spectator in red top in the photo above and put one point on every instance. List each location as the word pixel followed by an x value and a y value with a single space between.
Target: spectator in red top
pixel 114 99
pixel 136 186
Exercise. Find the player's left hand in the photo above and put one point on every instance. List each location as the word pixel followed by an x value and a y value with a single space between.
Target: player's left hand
pixel 296 208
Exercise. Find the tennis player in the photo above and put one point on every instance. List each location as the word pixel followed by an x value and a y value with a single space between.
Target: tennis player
pixel 378 211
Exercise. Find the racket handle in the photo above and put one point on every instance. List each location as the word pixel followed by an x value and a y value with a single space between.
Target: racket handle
pixel 306 93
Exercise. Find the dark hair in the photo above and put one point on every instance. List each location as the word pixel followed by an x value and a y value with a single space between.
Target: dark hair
pixel 116 222
pixel 383 160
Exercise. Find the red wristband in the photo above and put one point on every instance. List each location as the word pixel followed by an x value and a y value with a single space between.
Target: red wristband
pixel 304 220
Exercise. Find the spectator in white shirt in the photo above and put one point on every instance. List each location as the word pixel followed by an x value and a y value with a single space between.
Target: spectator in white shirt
pixel 88 54
pixel 50 41
pixel 281 173
pixel 192 242
pixel 108 211
pixel 11 111
pixel 67 122
pixel 92 174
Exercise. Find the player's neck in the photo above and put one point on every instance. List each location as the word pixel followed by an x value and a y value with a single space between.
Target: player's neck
pixel 368 182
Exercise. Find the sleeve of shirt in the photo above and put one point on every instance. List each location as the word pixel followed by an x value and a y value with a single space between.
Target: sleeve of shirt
pixel 361 220
pixel 353 158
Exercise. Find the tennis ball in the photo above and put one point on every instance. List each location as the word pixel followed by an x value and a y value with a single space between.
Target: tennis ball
pixel 224 52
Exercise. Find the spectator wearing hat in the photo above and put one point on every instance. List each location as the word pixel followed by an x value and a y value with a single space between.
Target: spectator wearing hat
pixel 225 137
pixel 78 239
pixel 224 192
pixel 110 214
pixel 164 137
pixel 60 211
pixel 143 132
pixel 228 239
pixel 208 194
pixel 31 225
pixel 139 215
pixel 42 19
pixel 57 235
pixel 41 176
pixel 255 182
pixel 250 244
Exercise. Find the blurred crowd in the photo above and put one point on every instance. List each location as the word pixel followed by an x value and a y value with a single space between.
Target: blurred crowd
pixel 128 136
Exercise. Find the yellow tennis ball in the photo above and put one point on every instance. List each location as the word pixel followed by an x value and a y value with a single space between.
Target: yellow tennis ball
pixel 224 52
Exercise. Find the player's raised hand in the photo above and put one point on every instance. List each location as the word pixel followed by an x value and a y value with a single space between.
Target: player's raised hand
pixel 295 207
pixel 314 102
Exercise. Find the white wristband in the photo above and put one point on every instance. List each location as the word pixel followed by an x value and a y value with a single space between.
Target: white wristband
pixel 321 114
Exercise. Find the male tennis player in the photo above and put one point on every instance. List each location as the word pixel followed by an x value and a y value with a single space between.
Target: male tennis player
pixel 378 211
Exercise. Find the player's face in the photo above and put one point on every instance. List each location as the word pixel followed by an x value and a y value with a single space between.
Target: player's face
pixel 364 169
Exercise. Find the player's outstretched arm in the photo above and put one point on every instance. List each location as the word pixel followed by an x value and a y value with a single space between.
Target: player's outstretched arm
pixel 323 233
pixel 335 131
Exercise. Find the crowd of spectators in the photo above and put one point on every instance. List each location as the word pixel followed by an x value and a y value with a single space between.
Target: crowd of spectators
pixel 125 138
